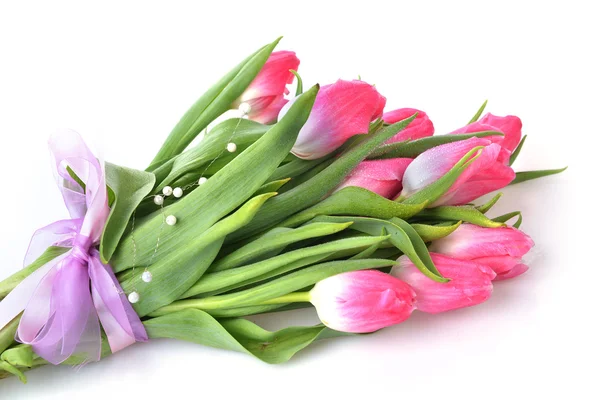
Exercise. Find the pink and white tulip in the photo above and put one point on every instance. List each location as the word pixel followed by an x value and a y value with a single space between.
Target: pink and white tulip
pixel 265 94
pixel 470 283
pixel 341 110
pixel 362 301
pixel 485 174
pixel 501 249
pixel 383 177
pixel 419 128
pixel 509 125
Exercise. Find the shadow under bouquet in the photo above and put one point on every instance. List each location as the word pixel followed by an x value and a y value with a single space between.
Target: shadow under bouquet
pixel 319 200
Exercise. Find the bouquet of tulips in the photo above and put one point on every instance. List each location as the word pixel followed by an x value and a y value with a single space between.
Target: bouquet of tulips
pixel 320 199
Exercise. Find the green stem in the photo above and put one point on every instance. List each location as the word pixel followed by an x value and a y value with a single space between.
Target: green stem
pixel 295 297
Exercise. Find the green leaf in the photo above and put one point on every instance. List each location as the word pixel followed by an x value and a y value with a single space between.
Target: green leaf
pixel 488 206
pixel 357 201
pixel 217 197
pixel 270 242
pixel 315 189
pixel 438 188
pixel 529 175
pixel 258 295
pixel 130 187
pixel 295 168
pixel 212 147
pixel 506 217
pixel 236 334
pixel 412 148
pixel 175 273
pixel 213 103
pixel 76 178
pixel 404 237
pixel 430 233
pixel 242 275
pixel 271 186
pixel 7 334
pixel 515 154
pixel 478 113
pixel 468 214
pixel 299 87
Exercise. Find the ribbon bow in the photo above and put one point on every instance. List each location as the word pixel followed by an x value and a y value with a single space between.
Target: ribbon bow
pixel 66 299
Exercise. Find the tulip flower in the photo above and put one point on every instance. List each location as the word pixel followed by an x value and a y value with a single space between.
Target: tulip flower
pixel 362 301
pixel 499 248
pixel 485 174
pixel 264 96
pixel 383 177
pixel 509 125
pixel 470 283
pixel 419 128
pixel 341 110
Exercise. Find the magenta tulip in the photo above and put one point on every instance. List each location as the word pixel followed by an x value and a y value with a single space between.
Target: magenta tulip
pixel 485 174
pixel 265 94
pixel 419 128
pixel 501 249
pixel 383 177
pixel 362 301
pixel 509 125
pixel 341 110
pixel 470 283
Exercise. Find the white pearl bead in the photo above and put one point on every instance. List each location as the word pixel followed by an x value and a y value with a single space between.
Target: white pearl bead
pixel 231 147
pixel 245 108
pixel 147 276
pixel 133 297
pixel 202 181
pixel 171 220
pixel 178 192
pixel 159 200
pixel 167 190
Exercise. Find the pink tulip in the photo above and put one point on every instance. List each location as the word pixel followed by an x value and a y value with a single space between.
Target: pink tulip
pixel 265 93
pixel 419 128
pixel 341 110
pixel 383 177
pixel 470 283
pixel 509 125
pixel 485 174
pixel 499 248
pixel 362 301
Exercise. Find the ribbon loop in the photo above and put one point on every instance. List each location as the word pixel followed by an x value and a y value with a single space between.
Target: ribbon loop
pixel 65 300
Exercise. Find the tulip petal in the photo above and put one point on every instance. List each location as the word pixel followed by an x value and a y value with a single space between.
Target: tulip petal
pixel 419 128
pixel 470 284
pixel 341 110
pixel 383 177
pixel 434 163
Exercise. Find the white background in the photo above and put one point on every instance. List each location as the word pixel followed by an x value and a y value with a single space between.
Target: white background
pixel 122 74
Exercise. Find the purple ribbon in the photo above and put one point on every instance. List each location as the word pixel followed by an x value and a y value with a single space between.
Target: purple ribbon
pixel 66 299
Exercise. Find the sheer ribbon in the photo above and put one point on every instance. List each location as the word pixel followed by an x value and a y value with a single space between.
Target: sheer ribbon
pixel 67 299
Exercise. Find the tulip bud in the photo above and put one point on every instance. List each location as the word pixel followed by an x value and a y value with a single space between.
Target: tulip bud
pixel 499 248
pixel 484 175
pixel 362 301
pixel 264 96
pixel 419 128
pixel 510 126
pixel 383 177
pixel 470 283
pixel 341 110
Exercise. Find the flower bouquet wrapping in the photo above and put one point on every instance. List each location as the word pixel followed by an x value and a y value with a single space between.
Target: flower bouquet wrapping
pixel 319 200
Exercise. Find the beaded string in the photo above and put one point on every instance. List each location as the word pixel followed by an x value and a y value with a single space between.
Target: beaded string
pixel 176 192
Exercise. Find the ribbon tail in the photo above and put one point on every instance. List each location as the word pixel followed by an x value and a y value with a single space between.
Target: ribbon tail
pixel 60 320
pixel 121 323
pixel 19 297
